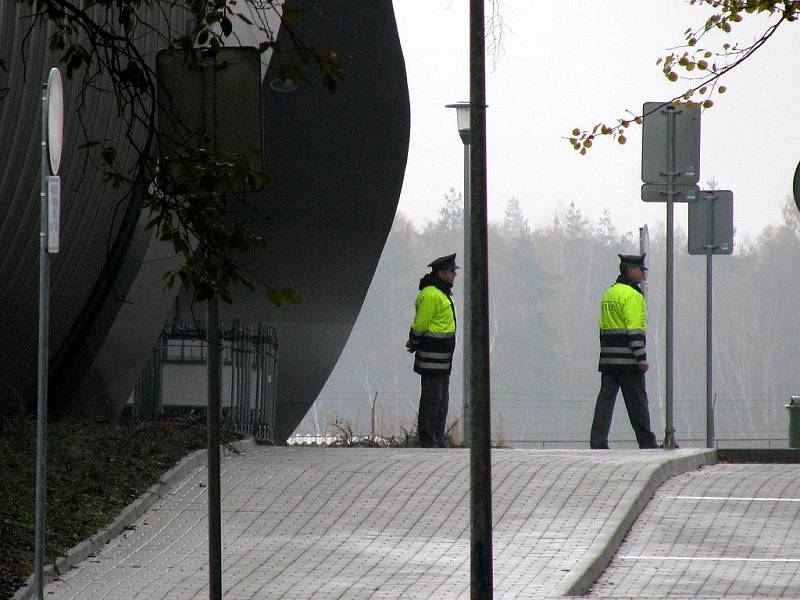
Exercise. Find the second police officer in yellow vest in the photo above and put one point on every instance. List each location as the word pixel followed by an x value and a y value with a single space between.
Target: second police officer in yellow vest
pixel 623 354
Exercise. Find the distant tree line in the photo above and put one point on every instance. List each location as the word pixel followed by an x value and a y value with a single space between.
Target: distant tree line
pixel 545 287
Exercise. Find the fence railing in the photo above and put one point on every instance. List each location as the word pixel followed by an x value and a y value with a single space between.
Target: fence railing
pixel 172 383
pixel 557 420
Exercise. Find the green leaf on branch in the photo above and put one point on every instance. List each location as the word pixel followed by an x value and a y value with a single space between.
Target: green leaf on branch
pixel 227 26
pixel 279 297
pixel 109 154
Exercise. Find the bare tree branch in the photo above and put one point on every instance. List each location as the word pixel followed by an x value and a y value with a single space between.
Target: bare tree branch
pixel 699 65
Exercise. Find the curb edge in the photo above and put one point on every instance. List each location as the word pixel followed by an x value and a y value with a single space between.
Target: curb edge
pixel 602 551
pixel 131 513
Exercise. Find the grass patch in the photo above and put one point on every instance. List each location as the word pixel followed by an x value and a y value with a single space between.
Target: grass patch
pixel 94 470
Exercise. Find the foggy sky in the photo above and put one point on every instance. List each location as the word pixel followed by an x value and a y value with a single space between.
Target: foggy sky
pixel 573 67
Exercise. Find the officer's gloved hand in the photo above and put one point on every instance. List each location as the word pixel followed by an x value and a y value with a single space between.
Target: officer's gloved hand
pixel 411 346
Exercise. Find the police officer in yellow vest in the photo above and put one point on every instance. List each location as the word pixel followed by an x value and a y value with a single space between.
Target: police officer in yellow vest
pixel 433 339
pixel 623 354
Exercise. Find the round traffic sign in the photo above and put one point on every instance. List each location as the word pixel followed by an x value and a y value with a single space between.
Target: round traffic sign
pixel 55 119
pixel 796 186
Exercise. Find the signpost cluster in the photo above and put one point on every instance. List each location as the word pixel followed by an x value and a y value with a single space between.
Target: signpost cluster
pixel 190 95
pixel 49 220
pixel 710 232
pixel 670 171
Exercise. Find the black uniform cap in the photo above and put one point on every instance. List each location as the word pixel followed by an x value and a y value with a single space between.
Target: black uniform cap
pixel 631 260
pixel 444 262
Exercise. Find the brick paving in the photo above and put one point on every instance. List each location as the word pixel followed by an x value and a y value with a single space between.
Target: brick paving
pixel 725 531
pixel 306 523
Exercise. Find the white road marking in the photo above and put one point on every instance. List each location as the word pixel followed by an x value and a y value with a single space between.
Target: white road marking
pixel 732 498
pixel 711 558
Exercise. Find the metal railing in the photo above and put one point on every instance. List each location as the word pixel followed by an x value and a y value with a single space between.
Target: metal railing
pixel 249 359
pixel 555 420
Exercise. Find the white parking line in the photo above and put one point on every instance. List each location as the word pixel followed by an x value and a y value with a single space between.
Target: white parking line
pixel 711 558
pixel 732 498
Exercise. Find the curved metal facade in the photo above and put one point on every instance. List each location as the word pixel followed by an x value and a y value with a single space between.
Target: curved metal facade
pixel 98 224
pixel 335 162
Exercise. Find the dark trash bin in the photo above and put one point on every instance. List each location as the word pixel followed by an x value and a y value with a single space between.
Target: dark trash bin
pixel 794 421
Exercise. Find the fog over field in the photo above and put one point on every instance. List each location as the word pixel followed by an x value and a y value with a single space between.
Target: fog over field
pixel 546 284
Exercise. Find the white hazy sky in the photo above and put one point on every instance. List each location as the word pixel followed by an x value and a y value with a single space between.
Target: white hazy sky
pixel 572 64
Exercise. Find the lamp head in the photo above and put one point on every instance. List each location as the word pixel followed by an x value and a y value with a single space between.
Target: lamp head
pixel 463 111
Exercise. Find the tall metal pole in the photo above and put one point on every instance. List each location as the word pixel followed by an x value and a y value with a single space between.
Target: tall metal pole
pixel 213 418
pixel 214 389
pixel 467 310
pixel 710 198
pixel 481 578
pixel 44 340
pixel 669 429
pixel 463 116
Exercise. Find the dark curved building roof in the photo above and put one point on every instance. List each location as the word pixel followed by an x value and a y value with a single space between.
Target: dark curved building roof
pixel 335 162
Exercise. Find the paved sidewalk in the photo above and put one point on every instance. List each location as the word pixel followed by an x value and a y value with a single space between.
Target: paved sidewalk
pixel 380 523
pixel 727 531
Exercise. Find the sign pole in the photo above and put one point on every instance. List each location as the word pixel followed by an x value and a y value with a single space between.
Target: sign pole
pixel 49 207
pixel 213 363
pixel 670 167
pixel 227 73
pixel 44 320
pixel 669 430
pixel 710 232
pixel 710 198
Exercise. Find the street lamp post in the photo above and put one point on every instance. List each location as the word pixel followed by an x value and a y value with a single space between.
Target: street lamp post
pixel 463 118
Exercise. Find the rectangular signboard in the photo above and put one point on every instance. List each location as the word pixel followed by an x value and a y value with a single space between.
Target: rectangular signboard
pixel 236 119
pixel 53 213
pixel 683 120
pixel 711 222
pixel 655 192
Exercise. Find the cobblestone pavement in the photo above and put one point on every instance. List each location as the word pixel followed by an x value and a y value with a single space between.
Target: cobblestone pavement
pixel 725 531
pixel 379 523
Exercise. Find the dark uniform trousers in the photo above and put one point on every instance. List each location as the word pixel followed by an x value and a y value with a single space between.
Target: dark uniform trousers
pixel 635 395
pixel 432 415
